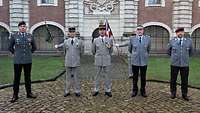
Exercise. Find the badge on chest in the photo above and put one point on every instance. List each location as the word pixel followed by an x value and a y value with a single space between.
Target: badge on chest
pixel 23 41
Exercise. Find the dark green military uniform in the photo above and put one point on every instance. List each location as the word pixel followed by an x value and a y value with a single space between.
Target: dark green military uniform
pixel 22 45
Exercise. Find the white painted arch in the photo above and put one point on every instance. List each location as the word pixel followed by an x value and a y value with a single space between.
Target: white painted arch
pixel 49 23
pixel 5 26
pixel 159 24
pixel 194 28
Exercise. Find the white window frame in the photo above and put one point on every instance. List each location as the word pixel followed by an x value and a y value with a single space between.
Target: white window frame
pixel 154 5
pixel 1 2
pixel 39 3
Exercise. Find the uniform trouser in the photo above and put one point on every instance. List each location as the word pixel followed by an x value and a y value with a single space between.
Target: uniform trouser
pixel 129 66
pixel 136 70
pixel 71 79
pixel 17 76
pixel 184 72
pixel 107 81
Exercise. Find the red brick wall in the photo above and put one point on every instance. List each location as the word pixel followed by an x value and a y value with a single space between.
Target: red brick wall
pixel 51 13
pixel 155 14
pixel 195 13
pixel 4 12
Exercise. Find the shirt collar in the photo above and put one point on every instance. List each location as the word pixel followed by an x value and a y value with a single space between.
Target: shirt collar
pixel 21 33
pixel 139 36
pixel 102 37
pixel 72 38
pixel 181 38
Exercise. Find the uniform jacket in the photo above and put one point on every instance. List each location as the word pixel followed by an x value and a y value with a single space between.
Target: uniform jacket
pixel 73 51
pixel 102 52
pixel 180 52
pixel 22 46
pixel 139 50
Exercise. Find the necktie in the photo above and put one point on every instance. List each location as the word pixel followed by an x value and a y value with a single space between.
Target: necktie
pixel 140 39
pixel 72 41
pixel 180 41
pixel 102 40
pixel 23 35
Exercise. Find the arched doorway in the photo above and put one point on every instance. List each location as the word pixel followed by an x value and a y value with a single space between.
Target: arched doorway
pixel 4 39
pixel 196 40
pixel 159 37
pixel 40 34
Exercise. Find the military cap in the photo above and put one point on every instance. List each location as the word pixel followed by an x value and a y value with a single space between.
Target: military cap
pixel 101 26
pixel 71 29
pixel 140 27
pixel 179 29
pixel 21 23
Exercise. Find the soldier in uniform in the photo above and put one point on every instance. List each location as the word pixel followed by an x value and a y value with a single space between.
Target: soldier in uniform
pixel 102 48
pixel 139 48
pixel 180 48
pixel 22 45
pixel 74 48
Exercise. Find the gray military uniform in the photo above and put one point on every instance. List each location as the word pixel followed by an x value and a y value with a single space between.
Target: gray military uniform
pixel 180 52
pixel 72 62
pixel 102 61
pixel 22 45
pixel 179 49
pixel 139 51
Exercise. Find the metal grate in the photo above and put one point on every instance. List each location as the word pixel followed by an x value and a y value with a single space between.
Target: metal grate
pixel 4 39
pixel 40 35
pixel 196 40
pixel 159 38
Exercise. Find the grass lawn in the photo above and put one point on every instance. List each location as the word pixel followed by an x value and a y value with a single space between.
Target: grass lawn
pixel 42 68
pixel 47 67
pixel 159 69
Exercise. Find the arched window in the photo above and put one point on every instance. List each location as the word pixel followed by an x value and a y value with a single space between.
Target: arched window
pixel 196 39
pixel 4 37
pixel 159 37
pixel 40 34
pixel 155 3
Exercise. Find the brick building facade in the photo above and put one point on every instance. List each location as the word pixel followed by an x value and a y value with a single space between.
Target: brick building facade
pixel 159 17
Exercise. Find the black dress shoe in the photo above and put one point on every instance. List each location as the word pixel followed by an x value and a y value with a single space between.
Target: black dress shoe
pixel 67 94
pixel 95 93
pixel 77 94
pixel 14 99
pixel 173 96
pixel 130 76
pixel 134 94
pixel 143 94
pixel 31 95
pixel 109 94
pixel 185 97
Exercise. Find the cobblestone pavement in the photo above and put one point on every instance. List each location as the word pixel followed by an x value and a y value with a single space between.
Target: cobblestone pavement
pixel 50 97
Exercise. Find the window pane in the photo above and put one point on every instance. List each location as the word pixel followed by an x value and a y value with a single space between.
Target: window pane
pixel 43 1
pixel 47 1
pixel 51 1
pixel 154 2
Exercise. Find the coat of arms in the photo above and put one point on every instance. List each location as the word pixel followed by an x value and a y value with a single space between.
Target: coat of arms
pixel 100 6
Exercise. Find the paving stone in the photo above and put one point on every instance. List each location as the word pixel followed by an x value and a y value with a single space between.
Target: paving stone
pixel 51 100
